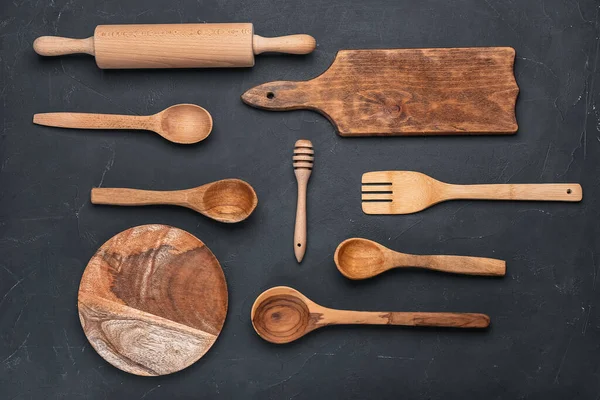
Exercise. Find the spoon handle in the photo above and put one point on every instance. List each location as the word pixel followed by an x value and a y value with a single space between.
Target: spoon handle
pixel 136 197
pixel 454 264
pixel 93 121
pixel 540 192
pixel 434 319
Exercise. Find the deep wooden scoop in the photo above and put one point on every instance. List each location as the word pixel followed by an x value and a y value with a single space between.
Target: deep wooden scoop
pixel 358 258
pixel 282 315
pixel 181 123
pixel 227 200
pixel 405 192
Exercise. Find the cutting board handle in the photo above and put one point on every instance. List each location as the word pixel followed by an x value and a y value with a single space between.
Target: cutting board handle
pixel 291 44
pixel 60 46
pixel 279 96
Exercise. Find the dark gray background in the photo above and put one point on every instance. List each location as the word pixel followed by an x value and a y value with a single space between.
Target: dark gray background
pixel 544 340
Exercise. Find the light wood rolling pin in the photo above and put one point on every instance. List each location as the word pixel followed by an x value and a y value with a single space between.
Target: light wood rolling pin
pixel 174 45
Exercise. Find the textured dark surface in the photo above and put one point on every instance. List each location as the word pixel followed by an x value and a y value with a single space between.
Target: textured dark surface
pixel 545 336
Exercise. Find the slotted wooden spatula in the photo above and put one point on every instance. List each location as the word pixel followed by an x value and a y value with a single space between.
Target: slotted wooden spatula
pixel 406 192
pixel 406 92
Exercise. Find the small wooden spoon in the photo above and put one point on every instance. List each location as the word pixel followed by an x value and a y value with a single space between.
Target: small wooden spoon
pixel 358 258
pixel 282 314
pixel 227 200
pixel 181 123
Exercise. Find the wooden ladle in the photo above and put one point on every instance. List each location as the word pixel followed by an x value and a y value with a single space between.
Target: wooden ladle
pixel 227 200
pixel 358 258
pixel 283 314
pixel 181 123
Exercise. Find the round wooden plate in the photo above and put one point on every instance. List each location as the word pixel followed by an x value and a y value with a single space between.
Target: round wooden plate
pixel 152 300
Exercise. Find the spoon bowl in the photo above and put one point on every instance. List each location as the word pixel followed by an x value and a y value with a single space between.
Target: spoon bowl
pixel 227 200
pixel 184 123
pixel 282 315
pixel 358 258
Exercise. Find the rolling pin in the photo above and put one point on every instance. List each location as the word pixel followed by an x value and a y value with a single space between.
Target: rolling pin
pixel 174 45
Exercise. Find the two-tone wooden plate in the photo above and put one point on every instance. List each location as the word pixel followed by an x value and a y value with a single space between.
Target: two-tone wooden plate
pixel 152 300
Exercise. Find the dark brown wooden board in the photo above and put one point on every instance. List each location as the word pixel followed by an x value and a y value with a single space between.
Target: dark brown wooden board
pixel 406 92
pixel 152 300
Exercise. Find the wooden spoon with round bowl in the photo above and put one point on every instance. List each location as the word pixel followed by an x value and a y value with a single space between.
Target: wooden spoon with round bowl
pixel 227 200
pixel 283 314
pixel 358 258
pixel 181 123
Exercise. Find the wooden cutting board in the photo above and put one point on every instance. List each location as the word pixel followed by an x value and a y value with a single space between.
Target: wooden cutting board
pixel 152 300
pixel 406 92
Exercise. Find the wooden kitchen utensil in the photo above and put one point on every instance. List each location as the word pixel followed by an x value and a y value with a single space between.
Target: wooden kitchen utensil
pixel 227 200
pixel 303 163
pixel 152 300
pixel 406 92
pixel 181 123
pixel 174 45
pixel 405 192
pixel 282 314
pixel 358 258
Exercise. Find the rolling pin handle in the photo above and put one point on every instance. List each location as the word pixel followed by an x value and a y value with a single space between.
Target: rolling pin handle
pixel 59 46
pixel 291 44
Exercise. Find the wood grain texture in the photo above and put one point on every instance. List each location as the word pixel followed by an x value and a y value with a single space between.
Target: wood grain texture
pixel 181 123
pixel 227 200
pixel 358 258
pixel 406 92
pixel 152 300
pixel 282 314
pixel 174 45
pixel 303 161
pixel 405 192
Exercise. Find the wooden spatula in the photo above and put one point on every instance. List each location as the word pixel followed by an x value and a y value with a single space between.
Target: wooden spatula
pixel 406 92
pixel 406 192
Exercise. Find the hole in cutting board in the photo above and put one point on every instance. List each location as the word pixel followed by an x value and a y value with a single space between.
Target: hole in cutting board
pixel 568 191
pixel 299 245
pixel 270 95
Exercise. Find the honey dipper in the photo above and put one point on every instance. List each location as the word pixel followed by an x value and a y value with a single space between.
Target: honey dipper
pixel 303 164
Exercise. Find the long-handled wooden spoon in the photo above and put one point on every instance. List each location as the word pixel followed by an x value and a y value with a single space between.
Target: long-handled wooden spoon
pixel 358 258
pixel 405 192
pixel 181 123
pixel 283 314
pixel 227 200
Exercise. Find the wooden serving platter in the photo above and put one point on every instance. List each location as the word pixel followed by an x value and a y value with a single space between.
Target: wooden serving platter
pixel 152 300
pixel 406 92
